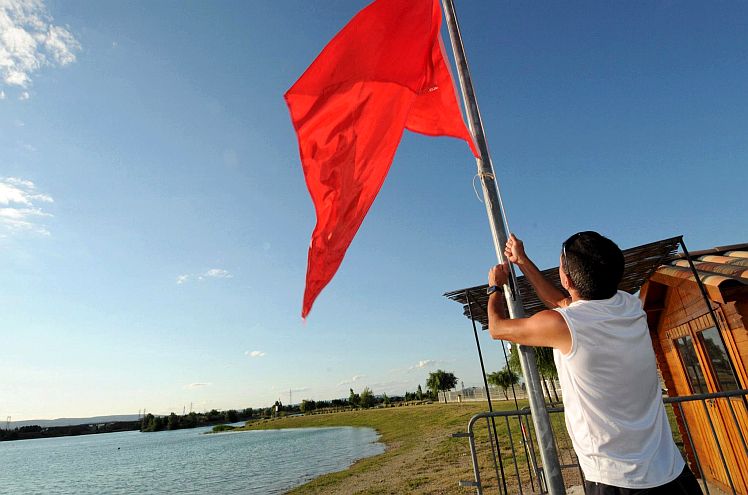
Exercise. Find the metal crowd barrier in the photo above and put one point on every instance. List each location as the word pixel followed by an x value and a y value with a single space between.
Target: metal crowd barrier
pixel 512 466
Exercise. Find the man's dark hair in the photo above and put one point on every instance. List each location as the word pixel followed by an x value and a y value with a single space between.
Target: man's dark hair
pixel 594 264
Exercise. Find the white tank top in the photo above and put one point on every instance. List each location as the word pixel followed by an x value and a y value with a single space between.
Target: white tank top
pixel 612 398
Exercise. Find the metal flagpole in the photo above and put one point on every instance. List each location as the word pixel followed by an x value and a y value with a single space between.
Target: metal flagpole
pixel 494 209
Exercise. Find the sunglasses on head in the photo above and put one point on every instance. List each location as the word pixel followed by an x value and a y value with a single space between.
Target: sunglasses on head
pixel 563 250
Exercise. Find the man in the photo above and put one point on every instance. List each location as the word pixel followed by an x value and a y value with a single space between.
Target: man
pixel 606 366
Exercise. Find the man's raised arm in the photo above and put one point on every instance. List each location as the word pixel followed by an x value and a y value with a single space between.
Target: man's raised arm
pixel 546 291
pixel 547 328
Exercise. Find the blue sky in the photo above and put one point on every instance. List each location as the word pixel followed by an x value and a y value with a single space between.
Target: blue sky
pixel 154 220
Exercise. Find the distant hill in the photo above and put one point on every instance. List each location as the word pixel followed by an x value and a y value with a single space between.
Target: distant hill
pixel 71 421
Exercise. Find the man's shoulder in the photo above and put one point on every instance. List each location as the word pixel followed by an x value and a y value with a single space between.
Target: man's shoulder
pixel 554 325
pixel 550 318
pixel 549 314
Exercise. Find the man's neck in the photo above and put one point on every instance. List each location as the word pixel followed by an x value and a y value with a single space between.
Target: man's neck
pixel 575 296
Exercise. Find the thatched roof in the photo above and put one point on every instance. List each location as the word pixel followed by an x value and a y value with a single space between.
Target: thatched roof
pixel 641 262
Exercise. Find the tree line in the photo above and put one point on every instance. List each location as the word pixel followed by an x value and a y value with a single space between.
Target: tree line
pixel 35 431
pixel 439 381
pixel 151 422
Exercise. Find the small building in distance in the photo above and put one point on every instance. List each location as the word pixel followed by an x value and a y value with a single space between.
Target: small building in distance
pixel 697 356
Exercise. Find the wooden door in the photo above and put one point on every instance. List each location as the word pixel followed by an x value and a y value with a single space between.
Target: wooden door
pixel 718 426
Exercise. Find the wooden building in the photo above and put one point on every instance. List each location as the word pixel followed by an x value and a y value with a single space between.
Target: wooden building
pixel 698 356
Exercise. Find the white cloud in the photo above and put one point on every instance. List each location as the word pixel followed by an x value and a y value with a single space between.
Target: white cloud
pixel 353 380
pixel 197 385
pixel 424 363
pixel 2 95
pixel 60 44
pixel 212 273
pixel 217 273
pixel 255 354
pixel 19 207
pixel 24 96
pixel 29 41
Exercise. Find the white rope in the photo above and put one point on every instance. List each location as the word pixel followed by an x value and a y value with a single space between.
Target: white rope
pixel 482 175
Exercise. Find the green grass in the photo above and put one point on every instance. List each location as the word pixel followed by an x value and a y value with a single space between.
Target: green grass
pixel 220 428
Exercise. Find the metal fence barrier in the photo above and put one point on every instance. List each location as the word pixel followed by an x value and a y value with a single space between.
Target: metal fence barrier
pixel 512 466
pixel 476 394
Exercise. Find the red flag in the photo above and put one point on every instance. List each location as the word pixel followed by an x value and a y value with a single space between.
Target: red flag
pixel 383 72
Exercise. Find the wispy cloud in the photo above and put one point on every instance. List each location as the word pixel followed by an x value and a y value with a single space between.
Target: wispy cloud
pixel 217 273
pixel 255 354
pixel 352 380
pixel 20 207
pixel 197 385
pixel 424 363
pixel 29 41
pixel 212 273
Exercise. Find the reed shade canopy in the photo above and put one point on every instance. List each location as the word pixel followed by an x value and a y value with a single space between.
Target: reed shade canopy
pixel 641 262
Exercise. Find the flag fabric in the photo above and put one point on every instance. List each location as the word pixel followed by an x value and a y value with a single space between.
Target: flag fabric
pixel 384 72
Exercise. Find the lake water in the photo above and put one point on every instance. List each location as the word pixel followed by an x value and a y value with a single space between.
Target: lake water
pixel 181 461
